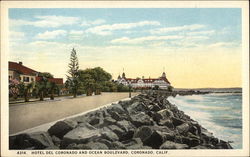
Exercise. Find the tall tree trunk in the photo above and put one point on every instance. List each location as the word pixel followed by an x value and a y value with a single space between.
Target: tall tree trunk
pixel 26 97
pixel 52 95
pixel 41 96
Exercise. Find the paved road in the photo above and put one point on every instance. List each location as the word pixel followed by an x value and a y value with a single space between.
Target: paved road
pixel 25 116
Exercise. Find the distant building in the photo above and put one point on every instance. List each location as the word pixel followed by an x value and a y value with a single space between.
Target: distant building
pixel 162 81
pixel 27 75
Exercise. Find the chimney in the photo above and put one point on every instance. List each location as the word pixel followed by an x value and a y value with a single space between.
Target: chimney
pixel 21 63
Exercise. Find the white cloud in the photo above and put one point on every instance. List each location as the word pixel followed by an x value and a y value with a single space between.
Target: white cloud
pixel 178 28
pixel 223 44
pixel 210 32
pixel 126 40
pixel 95 22
pixel 13 35
pixel 15 22
pixel 74 32
pixel 75 35
pixel 51 34
pixel 47 21
pixel 107 29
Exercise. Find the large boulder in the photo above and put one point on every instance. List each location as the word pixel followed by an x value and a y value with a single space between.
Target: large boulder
pixel 116 116
pixel 125 103
pixel 116 108
pixel 177 121
pixel 136 107
pixel 125 125
pixel 19 142
pixel 81 134
pixel 108 120
pixel 190 141
pixel 41 140
pixel 154 107
pixel 62 127
pixel 166 113
pixel 165 132
pixel 196 128
pixel 95 121
pixel 37 140
pixel 166 122
pixel 156 116
pixel 108 134
pixel 117 130
pixel 223 145
pixel 149 136
pixel 56 140
pixel 140 119
pixel 183 128
pixel 128 127
pixel 173 145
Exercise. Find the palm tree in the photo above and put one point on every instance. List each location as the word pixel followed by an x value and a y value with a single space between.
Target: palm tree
pixel 25 90
pixel 42 87
pixel 53 86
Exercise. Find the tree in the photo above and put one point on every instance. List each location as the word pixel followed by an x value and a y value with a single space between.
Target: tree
pixel 88 83
pixel 122 88
pixel 94 79
pixel 13 88
pixel 52 87
pixel 25 90
pixel 41 87
pixel 45 74
pixel 73 78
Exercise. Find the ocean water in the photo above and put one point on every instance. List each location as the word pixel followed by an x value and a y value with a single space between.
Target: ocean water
pixel 219 113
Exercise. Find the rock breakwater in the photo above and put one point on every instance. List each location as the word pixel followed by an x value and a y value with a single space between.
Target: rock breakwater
pixel 147 121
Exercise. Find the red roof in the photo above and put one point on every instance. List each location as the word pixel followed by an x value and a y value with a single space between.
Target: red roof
pixel 21 69
pixel 55 80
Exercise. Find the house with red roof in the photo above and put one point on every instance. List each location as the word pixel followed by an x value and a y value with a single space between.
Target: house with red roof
pixel 162 81
pixel 27 75
pixel 22 73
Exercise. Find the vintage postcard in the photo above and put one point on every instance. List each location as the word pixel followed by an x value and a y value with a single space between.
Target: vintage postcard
pixel 119 78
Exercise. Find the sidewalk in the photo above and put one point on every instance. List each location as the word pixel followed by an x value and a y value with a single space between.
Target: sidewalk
pixel 36 100
pixel 25 116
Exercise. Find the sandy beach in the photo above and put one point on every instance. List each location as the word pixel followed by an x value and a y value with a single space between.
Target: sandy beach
pixel 25 116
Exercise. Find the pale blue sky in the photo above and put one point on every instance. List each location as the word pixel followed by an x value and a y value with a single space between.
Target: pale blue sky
pixel 121 37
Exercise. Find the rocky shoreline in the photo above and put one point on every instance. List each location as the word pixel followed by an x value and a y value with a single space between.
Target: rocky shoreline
pixel 147 121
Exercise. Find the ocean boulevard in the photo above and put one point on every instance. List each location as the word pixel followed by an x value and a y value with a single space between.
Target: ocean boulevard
pixel 116 152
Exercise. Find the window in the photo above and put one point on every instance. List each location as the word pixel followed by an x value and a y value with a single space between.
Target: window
pixel 26 79
pixel 32 79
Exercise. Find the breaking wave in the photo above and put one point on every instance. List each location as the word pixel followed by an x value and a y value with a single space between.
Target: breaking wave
pixel 221 114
